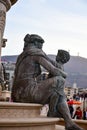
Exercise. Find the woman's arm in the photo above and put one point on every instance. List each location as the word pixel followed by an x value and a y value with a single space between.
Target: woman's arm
pixel 49 66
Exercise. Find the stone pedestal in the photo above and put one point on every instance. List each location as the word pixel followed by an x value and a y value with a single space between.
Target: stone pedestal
pixel 6 94
pixel 24 116
pixel 13 110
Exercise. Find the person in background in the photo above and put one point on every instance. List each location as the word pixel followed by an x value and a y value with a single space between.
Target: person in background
pixel 84 114
pixel 78 113
pixel 71 109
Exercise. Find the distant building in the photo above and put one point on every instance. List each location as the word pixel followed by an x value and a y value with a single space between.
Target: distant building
pixel 81 90
pixel 75 88
pixel 9 74
pixel 70 91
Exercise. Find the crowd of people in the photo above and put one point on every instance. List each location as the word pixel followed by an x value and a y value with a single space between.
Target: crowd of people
pixel 78 113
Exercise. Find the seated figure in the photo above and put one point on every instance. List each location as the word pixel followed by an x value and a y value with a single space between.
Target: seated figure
pixel 28 87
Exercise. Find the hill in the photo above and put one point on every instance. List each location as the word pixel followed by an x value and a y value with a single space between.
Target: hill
pixel 11 58
pixel 76 69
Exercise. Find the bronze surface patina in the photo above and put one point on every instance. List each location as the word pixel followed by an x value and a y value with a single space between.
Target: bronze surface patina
pixel 29 86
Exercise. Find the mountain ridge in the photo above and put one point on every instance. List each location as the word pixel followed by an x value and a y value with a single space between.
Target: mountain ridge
pixel 76 68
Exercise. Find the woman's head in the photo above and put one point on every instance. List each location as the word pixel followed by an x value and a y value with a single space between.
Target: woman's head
pixel 33 40
pixel 78 108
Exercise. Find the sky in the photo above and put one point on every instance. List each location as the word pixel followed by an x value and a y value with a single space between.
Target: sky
pixel 61 23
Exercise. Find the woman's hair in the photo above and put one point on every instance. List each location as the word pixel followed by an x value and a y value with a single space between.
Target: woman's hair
pixel 78 108
pixel 33 39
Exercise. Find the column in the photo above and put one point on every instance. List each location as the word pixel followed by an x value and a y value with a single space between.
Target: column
pixel 5 5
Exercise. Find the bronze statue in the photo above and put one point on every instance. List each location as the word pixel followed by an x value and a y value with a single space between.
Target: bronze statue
pixel 29 87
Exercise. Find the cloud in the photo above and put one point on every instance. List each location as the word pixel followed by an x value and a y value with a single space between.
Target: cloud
pixel 63 24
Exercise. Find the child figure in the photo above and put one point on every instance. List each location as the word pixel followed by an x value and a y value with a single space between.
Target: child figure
pixel 62 58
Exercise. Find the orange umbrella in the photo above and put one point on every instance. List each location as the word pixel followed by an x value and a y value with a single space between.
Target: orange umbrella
pixel 74 102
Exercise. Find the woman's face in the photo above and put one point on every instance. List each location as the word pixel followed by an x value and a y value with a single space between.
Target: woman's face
pixel 38 44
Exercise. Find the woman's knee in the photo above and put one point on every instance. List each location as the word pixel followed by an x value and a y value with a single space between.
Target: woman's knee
pixel 60 79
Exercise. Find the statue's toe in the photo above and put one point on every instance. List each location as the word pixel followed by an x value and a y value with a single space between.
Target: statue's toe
pixel 74 127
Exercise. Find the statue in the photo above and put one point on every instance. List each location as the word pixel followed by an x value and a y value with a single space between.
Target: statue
pixel 29 87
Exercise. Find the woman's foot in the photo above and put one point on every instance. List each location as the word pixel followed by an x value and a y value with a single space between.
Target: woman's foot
pixel 73 127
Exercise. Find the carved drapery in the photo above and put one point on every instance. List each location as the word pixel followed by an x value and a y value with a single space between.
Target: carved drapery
pixel 7 4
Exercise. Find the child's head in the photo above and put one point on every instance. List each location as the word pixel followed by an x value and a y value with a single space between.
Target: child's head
pixel 62 56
